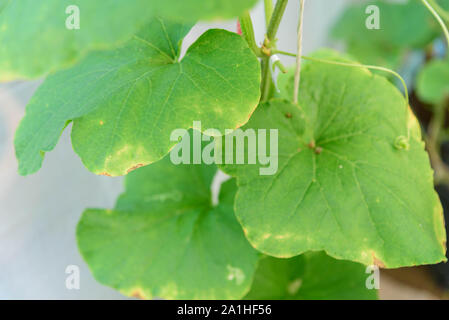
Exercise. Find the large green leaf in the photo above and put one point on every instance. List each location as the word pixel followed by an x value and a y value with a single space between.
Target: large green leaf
pixel 433 82
pixel 165 239
pixel 192 10
pixel 386 46
pixel 34 39
pixel 311 276
pixel 353 178
pixel 126 102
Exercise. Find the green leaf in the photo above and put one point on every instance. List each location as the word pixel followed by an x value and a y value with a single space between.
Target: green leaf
pixel 433 82
pixel 386 46
pixel 192 10
pixel 353 178
pixel 34 39
pixel 165 239
pixel 125 103
pixel 286 82
pixel 311 276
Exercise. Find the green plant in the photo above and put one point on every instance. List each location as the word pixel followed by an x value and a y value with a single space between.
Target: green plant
pixel 427 79
pixel 389 45
pixel 354 180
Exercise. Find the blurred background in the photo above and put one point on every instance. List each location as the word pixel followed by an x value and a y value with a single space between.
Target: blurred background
pixel 39 213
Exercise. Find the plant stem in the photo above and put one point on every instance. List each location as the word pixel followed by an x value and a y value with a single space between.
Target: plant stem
pixel 272 29
pixel 278 64
pixel 276 18
pixel 440 21
pixel 436 124
pixel 353 65
pixel 433 144
pixel 443 13
pixel 248 32
pixel 268 10
pixel 266 80
pixel 285 53
pixel 299 52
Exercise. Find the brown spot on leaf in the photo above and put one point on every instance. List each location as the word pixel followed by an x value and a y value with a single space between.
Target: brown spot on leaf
pixel 311 144
pixel 105 174
pixel 138 293
pixel 439 224
pixel 318 150
pixel 249 117
pixel 288 115
pixel 377 261
pixel 137 166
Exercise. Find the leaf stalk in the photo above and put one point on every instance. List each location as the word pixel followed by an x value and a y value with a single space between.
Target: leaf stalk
pixel 268 4
pixel 442 12
pixel 433 140
pixel 246 25
pixel 437 17
pixel 299 52
pixel 354 65
pixel 268 44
